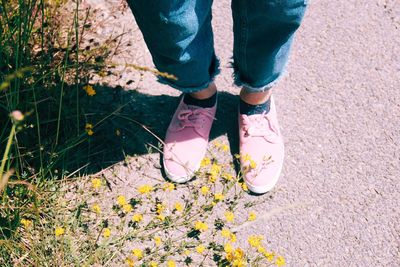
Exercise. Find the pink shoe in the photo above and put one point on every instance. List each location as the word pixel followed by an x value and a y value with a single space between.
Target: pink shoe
pixel 261 150
pixel 186 141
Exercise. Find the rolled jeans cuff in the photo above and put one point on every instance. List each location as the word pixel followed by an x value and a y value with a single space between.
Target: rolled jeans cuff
pixel 257 89
pixel 214 70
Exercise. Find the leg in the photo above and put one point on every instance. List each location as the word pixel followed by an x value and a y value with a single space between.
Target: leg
pixel 179 36
pixel 263 34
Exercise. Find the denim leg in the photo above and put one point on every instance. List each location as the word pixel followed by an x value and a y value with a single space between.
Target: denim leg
pixel 263 34
pixel 179 36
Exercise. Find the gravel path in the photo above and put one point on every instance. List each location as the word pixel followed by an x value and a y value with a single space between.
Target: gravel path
pixel 339 108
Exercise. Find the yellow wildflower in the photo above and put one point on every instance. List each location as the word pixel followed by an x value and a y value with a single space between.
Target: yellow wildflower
pixel 228 248
pixel 205 162
pixel 130 262
pixel 269 255
pixel 280 261
pixel 96 183
pixel 255 240
pixel 157 240
pixel 253 164
pixel 230 257
pixel 59 231
pixel 137 217
pixel 246 157
pixel 239 253
pixel 153 264
pixel 160 208
pixel 121 200
pixel 233 238
pixel 89 90
pixel 217 144
pixel 169 187
pixel 160 217
pixel 214 172
pixel 229 216
pixel 261 249
pixel 244 186
pixel 106 232
pixel 252 216
pixel 145 189
pixel 226 233
pixel 178 206
pixel 171 263
pixel 127 208
pixel 227 176
pixel 96 208
pixel 138 253
pixel 219 196
pixel 26 223
pixel 239 263
pixel 186 252
pixel 201 226
pixel 225 148
pixel 200 249
pixel 204 190
pixel 89 128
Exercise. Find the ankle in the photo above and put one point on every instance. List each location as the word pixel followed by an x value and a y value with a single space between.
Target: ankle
pixel 255 98
pixel 205 93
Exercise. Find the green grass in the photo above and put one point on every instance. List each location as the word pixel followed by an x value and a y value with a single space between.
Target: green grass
pixel 42 71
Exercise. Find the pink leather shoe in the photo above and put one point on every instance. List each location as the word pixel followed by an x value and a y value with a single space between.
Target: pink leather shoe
pixel 261 150
pixel 186 141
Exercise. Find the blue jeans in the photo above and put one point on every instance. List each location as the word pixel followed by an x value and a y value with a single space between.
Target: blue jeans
pixel 179 36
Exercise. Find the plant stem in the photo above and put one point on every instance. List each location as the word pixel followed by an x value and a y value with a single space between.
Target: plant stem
pixel 8 146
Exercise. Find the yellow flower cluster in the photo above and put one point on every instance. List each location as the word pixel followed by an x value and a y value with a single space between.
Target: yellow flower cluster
pixel 204 190
pixel 89 129
pixel 145 189
pixel 106 232
pixel 138 253
pixel 229 216
pixel 137 217
pixel 160 208
pixel 169 187
pixel 214 172
pixel 201 226
pixel 219 196
pixel 96 208
pixel 252 216
pixel 96 183
pixel 157 240
pixel 205 162
pixel 171 263
pixel 59 231
pixel 200 249
pixel 255 240
pixel 26 223
pixel 89 90
pixel 121 200
pixel 229 235
pixel 178 207
pixel 236 257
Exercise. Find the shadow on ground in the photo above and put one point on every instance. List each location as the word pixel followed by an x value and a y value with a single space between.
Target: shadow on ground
pixel 129 123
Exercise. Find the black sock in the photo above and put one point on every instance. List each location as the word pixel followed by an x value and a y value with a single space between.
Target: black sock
pixel 248 109
pixel 204 103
